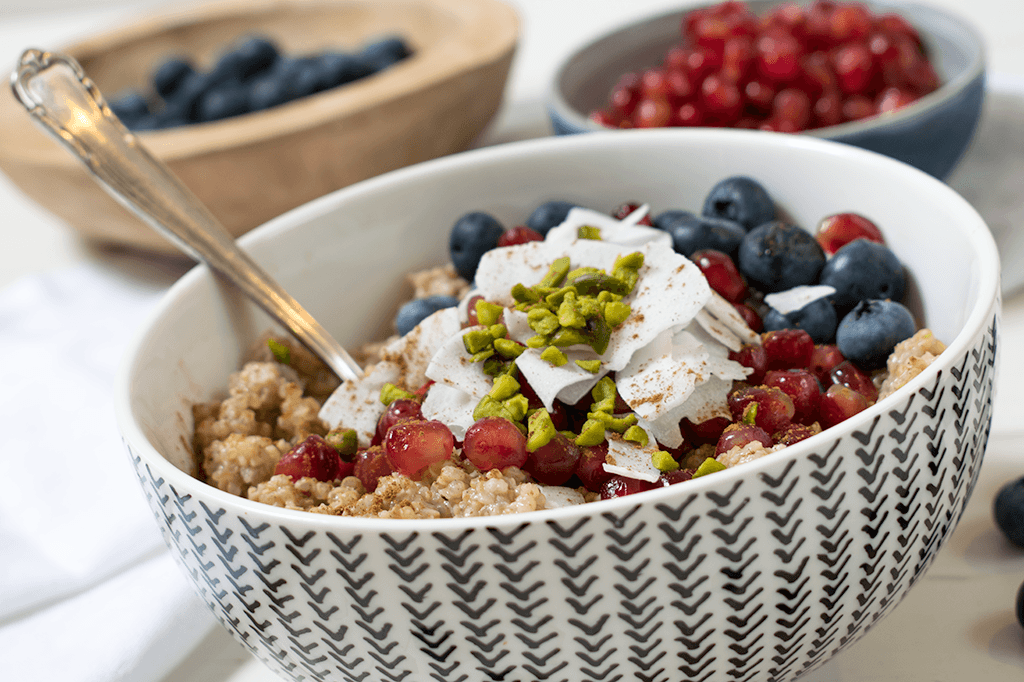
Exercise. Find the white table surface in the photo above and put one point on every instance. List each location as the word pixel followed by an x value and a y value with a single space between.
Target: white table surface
pixel 956 625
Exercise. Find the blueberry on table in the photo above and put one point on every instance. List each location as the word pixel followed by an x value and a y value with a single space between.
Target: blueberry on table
pixel 170 75
pixel 548 215
pixel 1009 513
pixel 864 269
pixel 473 235
pixel 868 333
pixel 777 256
pixel 419 309
pixel 740 199
pixel 818 318
pixel 691 233
pixel 383 53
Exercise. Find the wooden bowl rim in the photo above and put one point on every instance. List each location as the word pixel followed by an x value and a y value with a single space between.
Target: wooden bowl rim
pixel 427 69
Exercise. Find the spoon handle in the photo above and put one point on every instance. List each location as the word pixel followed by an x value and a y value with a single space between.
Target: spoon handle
pixel 56 91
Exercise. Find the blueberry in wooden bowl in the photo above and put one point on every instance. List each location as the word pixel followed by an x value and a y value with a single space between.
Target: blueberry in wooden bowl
pixel 801 551
pixel 251 167
pixel 904 80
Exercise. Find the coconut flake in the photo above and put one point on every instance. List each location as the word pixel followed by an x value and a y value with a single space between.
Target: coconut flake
pixel 727 315
pixel 556 497
pixel 414 351
pixel 451 406
pixel 632 460
pixel 565 382
pixel 794 299
pixel 356 404
pixel 626 232
pixel 451 365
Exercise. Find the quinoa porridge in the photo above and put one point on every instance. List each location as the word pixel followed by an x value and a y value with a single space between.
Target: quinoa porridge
pixel 586 364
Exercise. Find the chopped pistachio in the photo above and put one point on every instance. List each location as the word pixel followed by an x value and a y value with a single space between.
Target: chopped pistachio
pixel 617 424
pixel 487 407
pixel 588 306
pixel 559 269
pixel 599 334
pixel 554 356
pixel 523 294
pixel 494 365
pixel 749 414
pixel 542 321
pixel 603 390
pixel 345 441
pixel 475 340
pixel 709 466
pixel 579 272
pixel 636 434
pixel 488 313
pixel 606 296
pixel 627 268
pixel 504 387
pixel 516 407
pixel 389 393
pixel 616 312
pixel 592 366
pixel 591 434
pixel 538 341
pixel 281 352
pixel 567 337
pixel 568 312
pixel 497 331
pixel 482 355
pixel 540 430
pixel 663 461
pixel 589 232
pixel 508 348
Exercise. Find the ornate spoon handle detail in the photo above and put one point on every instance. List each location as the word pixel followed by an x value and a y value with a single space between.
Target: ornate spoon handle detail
pixel 66 103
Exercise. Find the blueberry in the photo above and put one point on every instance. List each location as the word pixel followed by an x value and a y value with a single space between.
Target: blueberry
pixel 223 102
pixel 266 91
pixel 473 235
pixel 548 215
pixel 183 104
pixel 777 256
pixel 418 309
pixel 863 269
pixel 255 55
pixel 383 53
pixel 338 68
pixel 693 233
pixel 129 107
pixel 740 199
pixel 170 75
pixel 869 332
pixel 1009 511
pixel 818 318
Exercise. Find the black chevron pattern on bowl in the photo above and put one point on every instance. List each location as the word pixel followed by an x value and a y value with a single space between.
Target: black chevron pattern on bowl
pixel 763 579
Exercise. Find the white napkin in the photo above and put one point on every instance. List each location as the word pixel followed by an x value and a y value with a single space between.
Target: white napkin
pixel 88 591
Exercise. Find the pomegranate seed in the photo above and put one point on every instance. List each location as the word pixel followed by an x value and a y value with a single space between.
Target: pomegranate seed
pixel 848 374
pixel 494 443
pixel 854 68
pixel 896 25
pixel 774 409
pixel 624 210
pixel 679 85
pixel 701 62
pixel 749 316
pixel 818 75
pixel 737 58
pixel 590 467
pixel 370 465
pixel 652 113
pixel 554 463
pixel 397 412
pixel 759 95
pixel 787 348
pixel 676 59
pixel 823 360
pixel 828 110
pixel 849 22
pixel 413 446
pixel 792 108
pixel 721 274
pixel 688 115
pixel 741 435
pixel 620 486
pixel 721 97
pixel 858 107
pixel 893 98
pixel 838 404
pixel 472 319
pixel 520 234
pixel 312 458
pixel 803 389
pixel 836 231
pixel 754 357
pixel 604 118
pixel 778 57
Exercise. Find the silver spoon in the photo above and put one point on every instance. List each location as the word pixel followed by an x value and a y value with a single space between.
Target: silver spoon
pixel 55 90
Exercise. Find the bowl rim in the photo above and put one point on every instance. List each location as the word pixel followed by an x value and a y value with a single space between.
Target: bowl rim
pixel 559 106
pixel 974 227
pixel 419 73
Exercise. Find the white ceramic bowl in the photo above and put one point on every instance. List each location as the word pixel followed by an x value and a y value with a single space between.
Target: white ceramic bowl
pixel 759 572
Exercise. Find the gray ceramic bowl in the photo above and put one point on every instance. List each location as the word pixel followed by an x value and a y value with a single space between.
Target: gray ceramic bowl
pixel 762 571
pixel 931 134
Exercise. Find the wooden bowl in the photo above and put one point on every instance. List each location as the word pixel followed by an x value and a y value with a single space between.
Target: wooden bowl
pixel 251 168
